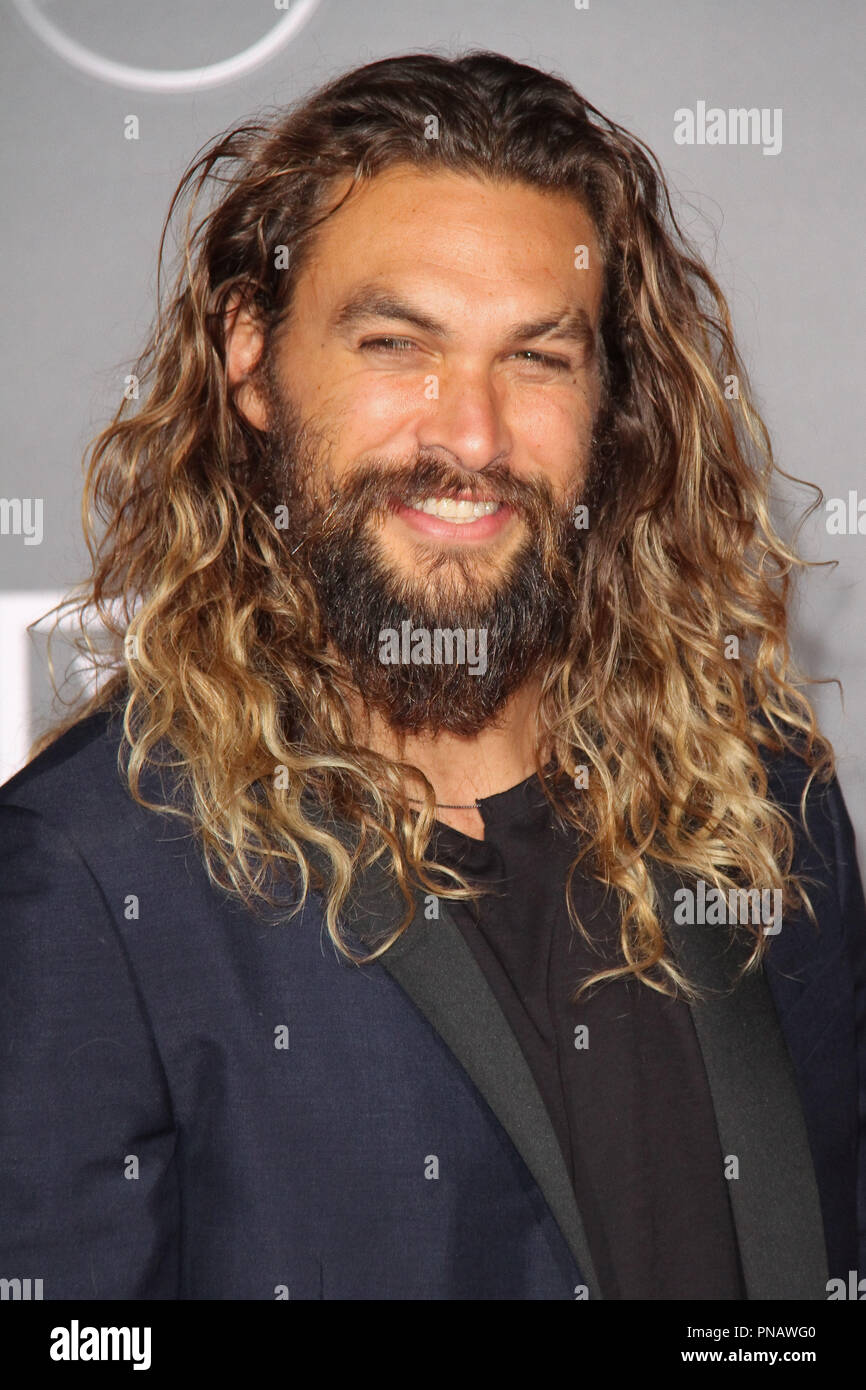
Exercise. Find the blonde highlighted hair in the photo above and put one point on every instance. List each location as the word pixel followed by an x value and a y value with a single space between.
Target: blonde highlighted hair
pixel 231 673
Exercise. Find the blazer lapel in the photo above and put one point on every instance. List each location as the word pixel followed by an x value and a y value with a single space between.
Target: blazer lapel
pixel 774 1199
pixel 433 965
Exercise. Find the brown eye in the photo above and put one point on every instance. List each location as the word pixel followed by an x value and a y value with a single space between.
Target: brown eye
pixel 544 359
pixel 388 344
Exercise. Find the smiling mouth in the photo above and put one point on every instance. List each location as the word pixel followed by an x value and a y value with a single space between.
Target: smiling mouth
pixel 459 510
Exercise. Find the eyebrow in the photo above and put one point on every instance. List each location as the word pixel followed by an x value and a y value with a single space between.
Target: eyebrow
pixel 372 302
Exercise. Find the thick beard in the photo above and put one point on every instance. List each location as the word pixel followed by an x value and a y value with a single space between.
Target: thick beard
pixel 525 609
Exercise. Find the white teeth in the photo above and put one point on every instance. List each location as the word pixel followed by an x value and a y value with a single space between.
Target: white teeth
pixel 459 510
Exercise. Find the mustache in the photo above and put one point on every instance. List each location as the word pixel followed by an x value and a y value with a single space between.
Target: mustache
pixel 378 488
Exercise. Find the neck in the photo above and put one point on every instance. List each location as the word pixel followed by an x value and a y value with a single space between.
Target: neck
pixel 461 769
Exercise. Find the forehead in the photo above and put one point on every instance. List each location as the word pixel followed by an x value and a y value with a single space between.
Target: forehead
pixel 459 232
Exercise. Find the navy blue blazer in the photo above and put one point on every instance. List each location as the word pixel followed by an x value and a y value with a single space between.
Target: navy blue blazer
pixel 198 1103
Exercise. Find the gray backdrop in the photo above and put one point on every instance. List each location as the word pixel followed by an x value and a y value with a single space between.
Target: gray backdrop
pixel 84 207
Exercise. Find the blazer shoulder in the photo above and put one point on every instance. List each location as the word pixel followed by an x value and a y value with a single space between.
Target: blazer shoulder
pixel 788 776
pixel 825 844
pixel 77 786
pixel 85 751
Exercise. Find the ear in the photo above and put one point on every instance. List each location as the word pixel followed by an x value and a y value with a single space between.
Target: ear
pixel 244 344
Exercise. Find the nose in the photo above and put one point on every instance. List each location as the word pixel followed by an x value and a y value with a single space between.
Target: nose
pixel 466 419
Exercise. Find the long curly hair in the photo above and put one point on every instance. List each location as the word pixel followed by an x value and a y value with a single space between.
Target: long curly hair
pixel 229 668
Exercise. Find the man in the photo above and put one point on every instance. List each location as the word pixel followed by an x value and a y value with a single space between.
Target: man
pixel 424 908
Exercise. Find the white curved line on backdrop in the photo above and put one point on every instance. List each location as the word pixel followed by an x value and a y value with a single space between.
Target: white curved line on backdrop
pixel 154 80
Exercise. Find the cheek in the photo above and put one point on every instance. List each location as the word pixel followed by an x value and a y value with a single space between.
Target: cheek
pixel 372 413
pixel 555 433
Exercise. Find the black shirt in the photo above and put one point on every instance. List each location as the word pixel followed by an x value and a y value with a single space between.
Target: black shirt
pixel 621 1071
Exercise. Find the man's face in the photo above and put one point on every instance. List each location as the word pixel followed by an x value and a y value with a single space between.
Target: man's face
pixel 436 375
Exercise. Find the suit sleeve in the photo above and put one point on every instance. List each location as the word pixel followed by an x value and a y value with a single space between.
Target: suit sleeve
pixel 88 1188
pixel 853 906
